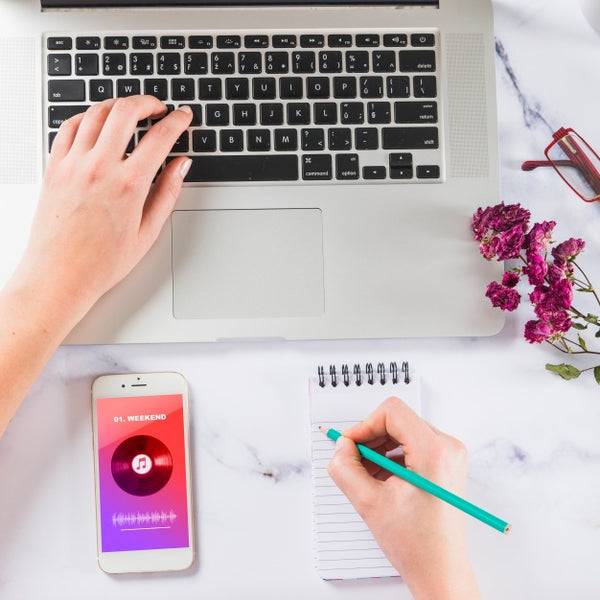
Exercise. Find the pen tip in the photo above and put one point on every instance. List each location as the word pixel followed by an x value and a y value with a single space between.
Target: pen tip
pixel 324 429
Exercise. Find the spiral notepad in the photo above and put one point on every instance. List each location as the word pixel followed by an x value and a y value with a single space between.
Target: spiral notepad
pixel 344 546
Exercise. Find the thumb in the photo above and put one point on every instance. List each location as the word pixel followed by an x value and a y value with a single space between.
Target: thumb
pixel 349 474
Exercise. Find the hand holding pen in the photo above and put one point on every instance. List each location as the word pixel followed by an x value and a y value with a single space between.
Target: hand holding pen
pixel 422 537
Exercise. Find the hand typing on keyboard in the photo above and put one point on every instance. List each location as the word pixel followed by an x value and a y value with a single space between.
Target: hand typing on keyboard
pixel 97 216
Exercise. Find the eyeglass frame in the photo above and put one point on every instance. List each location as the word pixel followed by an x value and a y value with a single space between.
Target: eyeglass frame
pixel 586 169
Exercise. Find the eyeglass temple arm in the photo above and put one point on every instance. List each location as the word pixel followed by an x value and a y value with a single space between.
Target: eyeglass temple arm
pixel 530 165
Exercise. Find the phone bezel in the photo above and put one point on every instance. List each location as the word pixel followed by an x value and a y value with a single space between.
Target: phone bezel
pixel 131 385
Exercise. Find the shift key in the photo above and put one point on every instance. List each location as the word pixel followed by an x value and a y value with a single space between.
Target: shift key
pixel 407 138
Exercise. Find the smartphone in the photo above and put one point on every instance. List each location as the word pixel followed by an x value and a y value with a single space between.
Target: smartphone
pixel 142 470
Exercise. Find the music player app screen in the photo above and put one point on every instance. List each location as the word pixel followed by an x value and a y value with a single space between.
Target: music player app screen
pixel 142 475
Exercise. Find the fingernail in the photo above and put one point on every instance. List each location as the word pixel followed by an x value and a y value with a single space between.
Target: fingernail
pixel 185 167
pixel 186 109
pixel 341 441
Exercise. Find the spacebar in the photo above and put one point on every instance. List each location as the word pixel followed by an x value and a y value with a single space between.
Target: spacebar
pixel 255 167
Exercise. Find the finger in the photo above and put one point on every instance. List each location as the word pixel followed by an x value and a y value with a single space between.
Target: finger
pixel 91 125
pixel 162 198
pixel 395 419
pixel 161 137
pixel 349 474
pixel 63 140
pixel 123 119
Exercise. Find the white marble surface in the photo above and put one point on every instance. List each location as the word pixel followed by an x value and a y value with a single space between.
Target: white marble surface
pixel 533 438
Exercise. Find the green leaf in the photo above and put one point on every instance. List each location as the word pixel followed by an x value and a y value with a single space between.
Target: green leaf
pixel 564 370
pixel 597 374
pixel 598 333
pixel 590 318
pixel 578 326
pixel 582 343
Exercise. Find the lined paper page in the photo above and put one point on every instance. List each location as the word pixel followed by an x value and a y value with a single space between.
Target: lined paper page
pixel 344 546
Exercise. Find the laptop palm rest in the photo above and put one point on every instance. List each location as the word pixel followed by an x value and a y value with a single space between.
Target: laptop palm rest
pixel 247 263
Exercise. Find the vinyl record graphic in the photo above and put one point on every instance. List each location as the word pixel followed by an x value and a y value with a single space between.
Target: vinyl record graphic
pixel 141 465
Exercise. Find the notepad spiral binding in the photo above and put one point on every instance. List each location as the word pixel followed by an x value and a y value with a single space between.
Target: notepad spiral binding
pixel 370 379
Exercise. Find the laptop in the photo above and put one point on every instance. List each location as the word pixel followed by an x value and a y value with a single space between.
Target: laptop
pixel 339 150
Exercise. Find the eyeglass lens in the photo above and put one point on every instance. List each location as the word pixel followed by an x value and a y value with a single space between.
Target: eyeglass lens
pixel 577 163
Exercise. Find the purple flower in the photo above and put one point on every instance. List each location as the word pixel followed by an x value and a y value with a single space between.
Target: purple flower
pixel 499 218
pixel 539 237
pixel 503 297
pixel 568 250
pixel 489 248
pixel 537 332
pixel 511 242
pixel 562 292
pixel 536 269
pixel 510 279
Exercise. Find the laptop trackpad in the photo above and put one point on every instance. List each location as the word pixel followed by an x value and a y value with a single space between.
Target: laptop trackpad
pixel 247 263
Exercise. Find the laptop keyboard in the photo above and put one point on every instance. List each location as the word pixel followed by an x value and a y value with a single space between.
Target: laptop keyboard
pixel 273 106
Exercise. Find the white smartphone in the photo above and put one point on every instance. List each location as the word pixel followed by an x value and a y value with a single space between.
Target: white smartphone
pixel 142 468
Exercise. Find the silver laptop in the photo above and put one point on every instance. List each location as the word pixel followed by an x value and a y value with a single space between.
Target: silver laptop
pixel 339 150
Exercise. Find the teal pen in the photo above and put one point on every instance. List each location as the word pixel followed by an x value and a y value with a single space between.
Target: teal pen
pixel 425 484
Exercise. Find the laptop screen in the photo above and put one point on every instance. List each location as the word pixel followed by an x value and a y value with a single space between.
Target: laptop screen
pixel 145 3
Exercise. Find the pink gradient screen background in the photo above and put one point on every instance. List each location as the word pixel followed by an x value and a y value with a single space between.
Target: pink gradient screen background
pixel 130 522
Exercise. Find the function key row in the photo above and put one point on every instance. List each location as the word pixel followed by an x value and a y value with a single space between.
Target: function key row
pixel 173 42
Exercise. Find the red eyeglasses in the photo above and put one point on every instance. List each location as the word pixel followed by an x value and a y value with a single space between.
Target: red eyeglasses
pixel 574 160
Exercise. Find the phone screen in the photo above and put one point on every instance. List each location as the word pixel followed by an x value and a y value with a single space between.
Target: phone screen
pixel 142 473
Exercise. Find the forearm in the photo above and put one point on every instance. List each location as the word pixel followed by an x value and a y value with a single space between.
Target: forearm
pixel 34 320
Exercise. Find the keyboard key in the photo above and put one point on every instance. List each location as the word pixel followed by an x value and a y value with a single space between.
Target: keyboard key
pixel 303 62
pixel 271 113
pixel 317 87
pixel 253 167
pixel 100 89
pixel 237 88
pixel 395 40
pixel 367 40
pixel 172 42
pixel 195 63
pixel 232 140
pixel 339 40
pixel 223 63
pixel 87 43
pixel 344 87
pixel 229 41
pixel 258 140
pixel 371 87
pixel 417 60
pixel 346 166
pixel 67 90
pixel 316 167
pixel 384 61
pixel 204 140
pixel 182 89
pixel 330 61
pixel 404 159
pixel 276 62
pixel 244 114
pixel 59 64
pixel 422 39
pixel 352 113
pixel 286 139
pixel 325 113
pixel 59 43
pixel 141 42
pixel 256 41
pixel 117 42
pixel 157 87
pixel 168 63
pixel 428 172
pixel 209 89
pixel 249 63
pixel 141 63
pixel 379 113
pixel 375 172
pixel 127 87
pixel 182 143
pixel 312 139
pixel 398 86
pixel 284 41
pixel 424 87
pixel 298 113
pixel 406 138
pixel 86 64
pixel 217 114
pixel 357 61
pixel 340 138
pixel 264 88
pixel 401 172
pixel 197 42
pixel 366 138
pixel 59 113
pixel 312 41
pixel 415 112
pixel 114 64
pixel 290 88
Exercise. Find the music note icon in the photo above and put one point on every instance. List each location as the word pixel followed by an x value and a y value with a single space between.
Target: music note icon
pixel 141 464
